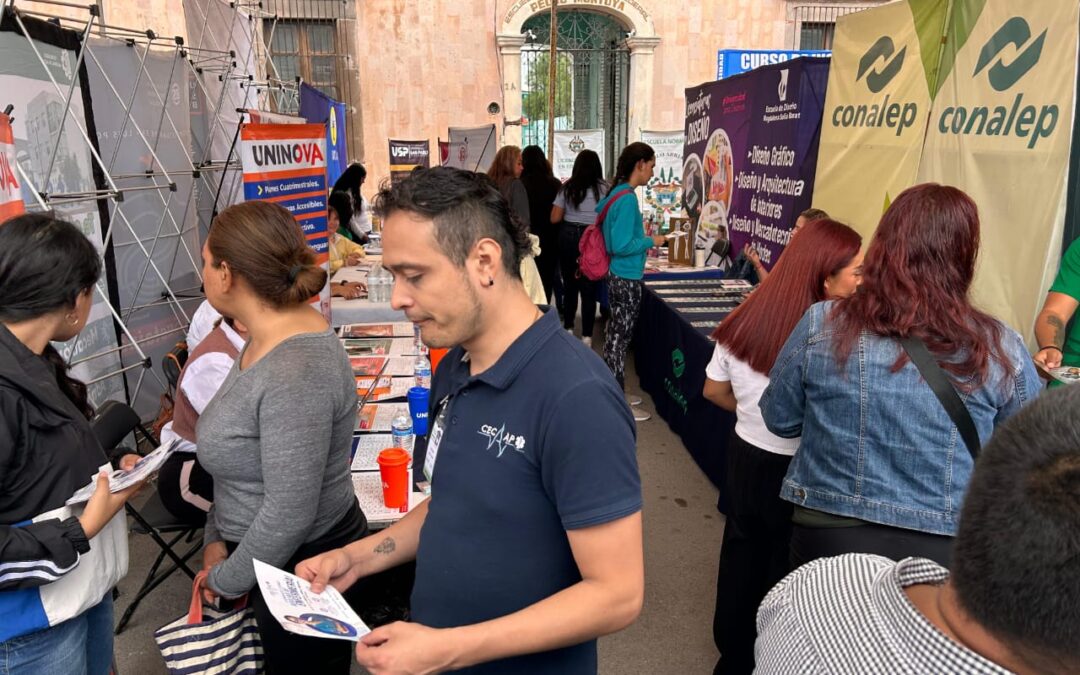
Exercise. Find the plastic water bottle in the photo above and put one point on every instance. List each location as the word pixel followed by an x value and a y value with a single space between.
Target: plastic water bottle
pixel 418 343
pixel 402 432
pixel 379 284
pixel 422 371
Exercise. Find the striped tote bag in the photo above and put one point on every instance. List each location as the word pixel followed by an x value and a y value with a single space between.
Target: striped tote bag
pixel 206 641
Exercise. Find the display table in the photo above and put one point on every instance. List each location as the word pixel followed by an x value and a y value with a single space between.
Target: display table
pixel 672 348
pixel 367 485
pixel 362 310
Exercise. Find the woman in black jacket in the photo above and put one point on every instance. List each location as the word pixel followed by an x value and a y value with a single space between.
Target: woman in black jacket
pixel 58 564
pixel 541 187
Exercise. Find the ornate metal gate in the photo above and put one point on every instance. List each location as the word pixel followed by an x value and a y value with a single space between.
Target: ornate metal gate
pixel 592 78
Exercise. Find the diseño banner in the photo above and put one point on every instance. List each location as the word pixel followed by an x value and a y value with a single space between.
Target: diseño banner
pixel 569 143
pixel 406 156
pixel 751 148
pixel 286 164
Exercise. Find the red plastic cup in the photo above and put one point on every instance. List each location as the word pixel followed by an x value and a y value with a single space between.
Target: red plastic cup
pixel 436 355
pixel 394 469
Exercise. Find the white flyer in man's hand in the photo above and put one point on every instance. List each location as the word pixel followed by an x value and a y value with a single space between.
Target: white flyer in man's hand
pixel 121 480
pixel 298 610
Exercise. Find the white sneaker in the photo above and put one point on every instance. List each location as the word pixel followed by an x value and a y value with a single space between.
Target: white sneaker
pixel 633 400
pixel 587 340
pixel 640 415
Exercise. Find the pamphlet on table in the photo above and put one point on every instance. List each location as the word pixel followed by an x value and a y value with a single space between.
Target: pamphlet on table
pixel 387 388
pixel 369 494
pixel 378 416
pixel 379 346
pixel 298 610
pixel 377 330
pixel 395 366
pixel 366 449
pixel 121 480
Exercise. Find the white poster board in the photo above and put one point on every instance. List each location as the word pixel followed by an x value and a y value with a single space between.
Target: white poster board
pixel 569 143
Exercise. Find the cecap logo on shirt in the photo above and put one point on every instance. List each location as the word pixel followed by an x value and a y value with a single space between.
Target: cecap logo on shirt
pixel 501 439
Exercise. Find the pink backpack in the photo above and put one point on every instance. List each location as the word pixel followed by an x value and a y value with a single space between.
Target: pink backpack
pixel 594 260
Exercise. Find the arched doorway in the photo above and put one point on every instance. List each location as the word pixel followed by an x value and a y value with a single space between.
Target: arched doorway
pixel 592 77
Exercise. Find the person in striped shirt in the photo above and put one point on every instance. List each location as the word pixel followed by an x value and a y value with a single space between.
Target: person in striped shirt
pixel 1010 602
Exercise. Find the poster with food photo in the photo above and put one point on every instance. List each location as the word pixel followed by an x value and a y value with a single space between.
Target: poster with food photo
pixel 753 140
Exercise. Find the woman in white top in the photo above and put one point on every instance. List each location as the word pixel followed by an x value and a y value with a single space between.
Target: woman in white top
pixel 822 263
pixel 574 210
pixel 358 226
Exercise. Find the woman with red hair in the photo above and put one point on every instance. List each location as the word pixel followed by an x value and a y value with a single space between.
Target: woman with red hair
pixel 882 467
pixel 823 262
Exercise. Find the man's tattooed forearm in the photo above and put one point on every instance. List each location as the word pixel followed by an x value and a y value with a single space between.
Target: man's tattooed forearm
pixel 386 546
pixel 1059 330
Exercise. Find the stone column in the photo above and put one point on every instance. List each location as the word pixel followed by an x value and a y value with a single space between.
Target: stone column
pixel 510 53
pixel 641 85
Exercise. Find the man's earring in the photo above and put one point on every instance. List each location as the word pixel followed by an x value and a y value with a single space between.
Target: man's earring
pixel 491 281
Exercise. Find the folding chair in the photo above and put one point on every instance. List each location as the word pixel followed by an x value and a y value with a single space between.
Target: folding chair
pixel 112 424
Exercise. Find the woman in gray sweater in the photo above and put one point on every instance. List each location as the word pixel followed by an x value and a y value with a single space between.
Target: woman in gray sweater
pixel 276 435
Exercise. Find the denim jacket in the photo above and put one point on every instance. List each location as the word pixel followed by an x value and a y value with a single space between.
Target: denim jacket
pixel 878 445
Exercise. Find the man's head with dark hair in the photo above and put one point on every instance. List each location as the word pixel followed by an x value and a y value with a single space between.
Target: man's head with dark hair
pixel 1016 559
pixel 455 253
pixel 465 207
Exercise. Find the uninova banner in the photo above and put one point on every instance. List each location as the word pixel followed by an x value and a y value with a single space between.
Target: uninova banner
pixel 751 149
pixel 568 144
pixel 286 164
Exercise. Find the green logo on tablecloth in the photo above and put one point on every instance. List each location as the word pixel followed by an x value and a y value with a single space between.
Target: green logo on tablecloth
pixel 678 362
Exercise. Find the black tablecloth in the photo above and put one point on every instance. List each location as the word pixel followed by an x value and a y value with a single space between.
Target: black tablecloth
pixel 671 353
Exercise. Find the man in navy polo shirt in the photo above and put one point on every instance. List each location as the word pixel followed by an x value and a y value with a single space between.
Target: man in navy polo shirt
pixel 530 545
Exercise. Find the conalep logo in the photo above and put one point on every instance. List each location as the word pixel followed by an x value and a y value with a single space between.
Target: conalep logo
pixel 876 80
pixel 887 114
pixel 1023 121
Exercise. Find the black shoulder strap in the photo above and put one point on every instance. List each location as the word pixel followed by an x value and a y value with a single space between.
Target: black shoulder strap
pixel 944 390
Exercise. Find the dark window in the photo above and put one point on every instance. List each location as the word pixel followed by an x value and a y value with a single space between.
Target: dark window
pixel 307 49
pixel 816 35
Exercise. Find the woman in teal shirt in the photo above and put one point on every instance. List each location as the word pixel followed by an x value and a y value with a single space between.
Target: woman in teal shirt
pixel 624 236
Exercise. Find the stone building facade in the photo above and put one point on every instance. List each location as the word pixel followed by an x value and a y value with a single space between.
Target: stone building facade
pixel 410 69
